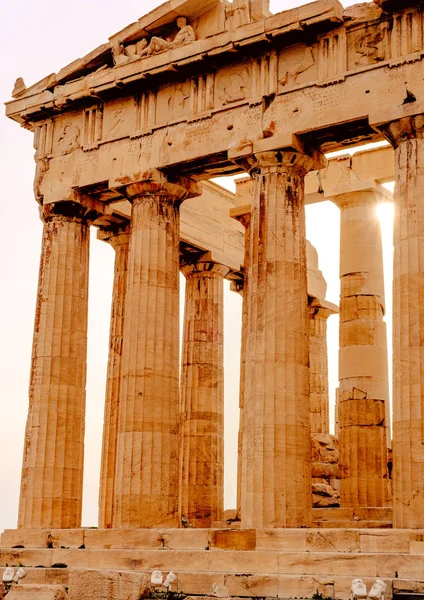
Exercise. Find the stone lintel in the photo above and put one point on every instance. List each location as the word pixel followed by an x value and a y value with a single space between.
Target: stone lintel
pixel 241 214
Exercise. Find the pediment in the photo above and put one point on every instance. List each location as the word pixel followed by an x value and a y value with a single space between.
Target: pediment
pixel 219 27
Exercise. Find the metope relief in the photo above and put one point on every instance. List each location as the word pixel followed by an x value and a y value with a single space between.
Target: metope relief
pixel 298 65
pixel 369 45
pixel 232 85
pixel 174 102
pixel 118 119
pixel 67 136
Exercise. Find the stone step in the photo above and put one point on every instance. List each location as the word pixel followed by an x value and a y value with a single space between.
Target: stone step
pixel 117 584
pixel 339 539
pixel 37 592
pixel 340 524
pixel 353 514
pixel 322 562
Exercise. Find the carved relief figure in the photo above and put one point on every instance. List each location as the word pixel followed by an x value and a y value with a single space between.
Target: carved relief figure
pixel 177 101
pixel 68 138
pixel 306 63
pixel 42 166
pixel 185 36
pixel 123 54
pixel 370 45
pixel 231 87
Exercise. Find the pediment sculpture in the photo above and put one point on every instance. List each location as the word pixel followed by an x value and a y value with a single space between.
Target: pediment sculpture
pixel 143 48
pixel 186 35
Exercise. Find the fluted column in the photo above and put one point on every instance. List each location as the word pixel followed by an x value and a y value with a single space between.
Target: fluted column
pixel 276 475
pixel 119 240
pixel 363 365
pixel 202 395
pixel 245 221
pixel 318 364
pixel 407 136
pixel 52 473
pixel 147 455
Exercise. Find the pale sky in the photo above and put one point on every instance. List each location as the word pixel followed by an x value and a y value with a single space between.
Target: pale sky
pixel 39 38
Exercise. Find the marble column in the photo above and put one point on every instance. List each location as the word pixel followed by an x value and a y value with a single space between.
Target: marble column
pixel 52 473
pixel 119 240
pixel 407 137
pixel 202 394
pixel 276 465
pixel 363 366
pixel 319 312
pixel 147 453
pixel 244 219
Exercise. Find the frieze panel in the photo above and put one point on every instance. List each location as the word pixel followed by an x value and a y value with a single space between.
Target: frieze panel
pixel 174 102
pixel 119 119
pixel 233 85
pixel 67 134
pixel 298 65
pixel 368 45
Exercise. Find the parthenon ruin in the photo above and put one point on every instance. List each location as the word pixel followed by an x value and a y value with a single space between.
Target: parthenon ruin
pixel 127 140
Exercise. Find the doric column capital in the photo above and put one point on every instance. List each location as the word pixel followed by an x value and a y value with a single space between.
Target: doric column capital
pixel 278 153
pixel 237 286
pixel 403 129
pixel 394 5
pixel 371 193
pixel 242 214
pixel 115 236
pixel 68 210
pixel 319 309
pixel 155 183
pixel 204 268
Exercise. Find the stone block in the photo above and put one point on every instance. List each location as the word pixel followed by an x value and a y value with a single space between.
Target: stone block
pixel 333 541
pixel 234 540
pixel 198 583
pixel 26 557
pixel 175 560
pixel 292 586
pixel 243 562
pixel 185 539
pixel 385 541
pixel 38 592
pixel 328 564
pixel 103 538
pixel 252 585
pixel 67 538
pixel 416 547
pixel 25 538
pixel 292 540
pixel 104 585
